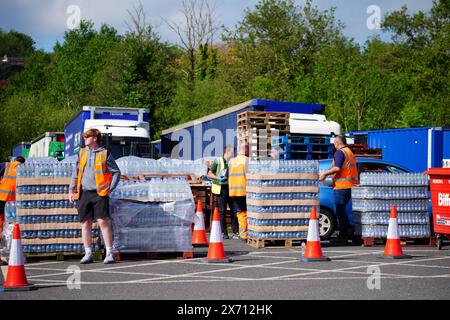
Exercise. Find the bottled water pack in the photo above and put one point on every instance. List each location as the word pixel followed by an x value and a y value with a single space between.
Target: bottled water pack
pixel 157 189
pixel 380 231
pixel 393 179
pixel 132 166
pixel 283 166
pixel 389 192
pixel 277 235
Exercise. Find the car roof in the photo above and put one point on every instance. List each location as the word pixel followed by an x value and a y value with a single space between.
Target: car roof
pixel 370 160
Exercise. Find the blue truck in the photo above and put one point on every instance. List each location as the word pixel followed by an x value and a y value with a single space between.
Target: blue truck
pixel 125 131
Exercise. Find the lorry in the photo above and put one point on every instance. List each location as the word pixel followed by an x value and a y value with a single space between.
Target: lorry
pixel 21 149
pixel 49 144
pixel 125 131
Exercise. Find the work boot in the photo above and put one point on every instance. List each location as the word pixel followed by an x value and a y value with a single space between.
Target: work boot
pixel 226 236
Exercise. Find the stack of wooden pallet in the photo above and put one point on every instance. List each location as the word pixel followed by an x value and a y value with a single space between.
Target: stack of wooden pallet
pixel 257 128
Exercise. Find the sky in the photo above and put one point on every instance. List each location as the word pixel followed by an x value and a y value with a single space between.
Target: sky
pixel 47 20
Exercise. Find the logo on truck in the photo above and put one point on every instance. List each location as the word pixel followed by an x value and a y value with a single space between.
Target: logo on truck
pixel 443 199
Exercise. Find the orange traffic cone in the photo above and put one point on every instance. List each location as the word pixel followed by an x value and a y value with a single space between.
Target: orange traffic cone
pixel 393 248
pixel 216 252
pixel 16 280
pixel 199 234
pixel 313 251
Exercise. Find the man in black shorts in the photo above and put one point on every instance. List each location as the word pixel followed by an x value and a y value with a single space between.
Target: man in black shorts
pixel 97 175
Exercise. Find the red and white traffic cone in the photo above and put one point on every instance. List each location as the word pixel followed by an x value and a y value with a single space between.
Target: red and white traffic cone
pixel 313 251
pixel 216 252
pixel 16 279
pixel 199 234
pixel 393 249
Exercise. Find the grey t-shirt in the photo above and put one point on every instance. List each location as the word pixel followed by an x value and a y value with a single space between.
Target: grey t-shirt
pixel 88 179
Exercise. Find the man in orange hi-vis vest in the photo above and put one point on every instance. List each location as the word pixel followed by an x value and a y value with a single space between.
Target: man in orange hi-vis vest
pixel 345 176
pixel 8 187
pixel 237 184
pixel 97 175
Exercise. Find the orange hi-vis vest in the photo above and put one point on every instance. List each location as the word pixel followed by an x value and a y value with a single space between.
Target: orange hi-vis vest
pixel 102 175
pixel 237 182
pixel 348 176
pixel 8 183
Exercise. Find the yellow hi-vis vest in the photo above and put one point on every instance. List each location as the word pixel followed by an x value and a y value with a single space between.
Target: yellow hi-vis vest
pixel 348 176
pixel 8 182
pixel 102 175
pixel 237 181
pixel 217 186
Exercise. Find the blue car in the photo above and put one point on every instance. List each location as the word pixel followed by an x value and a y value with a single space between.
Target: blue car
pixel 327 217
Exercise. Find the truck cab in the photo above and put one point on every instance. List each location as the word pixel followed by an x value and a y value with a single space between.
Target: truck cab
pixel 125 131
pixel 49 144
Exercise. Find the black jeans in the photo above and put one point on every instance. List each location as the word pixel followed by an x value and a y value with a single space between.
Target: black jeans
pixel 341 198
pixel 222 200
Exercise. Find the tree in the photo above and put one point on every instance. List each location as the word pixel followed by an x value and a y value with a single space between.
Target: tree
pixel 197 31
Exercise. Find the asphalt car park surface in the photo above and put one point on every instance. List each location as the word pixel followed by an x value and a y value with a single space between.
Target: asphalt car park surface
pixel 275 273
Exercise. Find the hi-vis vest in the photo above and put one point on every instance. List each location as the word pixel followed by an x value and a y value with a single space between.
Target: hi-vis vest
pixel 237 181
pixel 348 176
pixel 8 183
pixel 216 186
pixel 102 175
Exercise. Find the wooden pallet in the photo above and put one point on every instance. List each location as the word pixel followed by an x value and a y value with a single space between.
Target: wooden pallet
pixel 118 256
pixel 375 242
pixel 267 243
pixel 62 256
pixel 263 117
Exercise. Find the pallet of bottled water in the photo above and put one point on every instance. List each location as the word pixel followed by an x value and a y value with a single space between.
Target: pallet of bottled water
pixel 372 201
pixel 49 222
pixel 153 216
pixel 135 166
pixel 280 196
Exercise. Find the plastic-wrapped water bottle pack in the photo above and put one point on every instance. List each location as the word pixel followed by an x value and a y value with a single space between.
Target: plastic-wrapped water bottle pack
pixel 157 189
pixel 393 179
pixel 133 166
pixel 152 226
pixel 278 222
pixel 283 183
pixel 383 217
pixel 50 248
pixel 277 235
pixel 45 170
pixel 284 166
pixel 405 230
pixel 278 209
pixel 386 205
pixel 390 192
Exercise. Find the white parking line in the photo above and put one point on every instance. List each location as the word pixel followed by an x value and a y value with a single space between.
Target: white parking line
pixel 58 282
pixel 358 267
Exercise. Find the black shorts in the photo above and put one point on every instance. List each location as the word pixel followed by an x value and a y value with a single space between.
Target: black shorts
pixel 92 207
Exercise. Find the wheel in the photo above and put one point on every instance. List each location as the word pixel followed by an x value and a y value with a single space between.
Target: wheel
pixel 327 223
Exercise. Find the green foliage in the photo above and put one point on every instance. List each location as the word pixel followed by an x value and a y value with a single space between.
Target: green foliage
pixel 279 51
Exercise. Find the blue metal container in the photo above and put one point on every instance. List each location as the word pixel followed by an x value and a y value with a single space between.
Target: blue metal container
pixel 196 139
pixel 414 148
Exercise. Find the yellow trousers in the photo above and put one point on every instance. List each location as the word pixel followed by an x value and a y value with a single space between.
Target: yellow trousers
pixel 243 224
